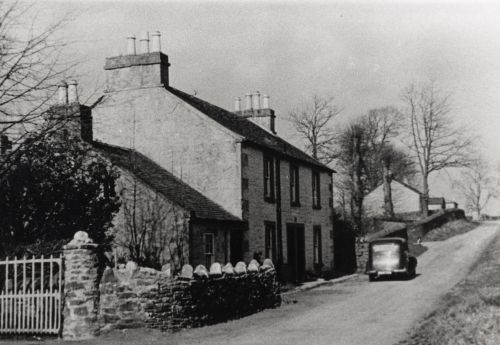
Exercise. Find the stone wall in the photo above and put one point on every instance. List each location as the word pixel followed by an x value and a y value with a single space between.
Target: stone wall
pixel 216 296
pixel 134 296
pixel 420 228
pixel 81 294
pixel 131 296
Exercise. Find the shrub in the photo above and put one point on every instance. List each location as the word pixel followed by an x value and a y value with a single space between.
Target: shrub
pixel 52 188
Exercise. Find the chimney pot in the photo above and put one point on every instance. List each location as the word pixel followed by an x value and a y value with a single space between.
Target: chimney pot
pixel 248 101
pixel 131 45
pixel 62 92
pixel 156 42
pixel 265 102
pixel 72 92
pixel 237 104
pixel 256 100
pixel 145 43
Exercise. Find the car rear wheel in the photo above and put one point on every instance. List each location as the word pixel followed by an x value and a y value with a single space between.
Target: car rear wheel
pixel 371 277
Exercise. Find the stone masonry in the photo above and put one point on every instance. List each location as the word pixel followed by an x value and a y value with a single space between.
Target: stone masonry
pixel 81 288
pixel 131 296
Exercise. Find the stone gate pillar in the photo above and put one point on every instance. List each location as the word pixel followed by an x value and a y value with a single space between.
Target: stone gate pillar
pixel 81 288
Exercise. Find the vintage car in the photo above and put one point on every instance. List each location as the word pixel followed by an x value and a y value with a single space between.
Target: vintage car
pixel 390 257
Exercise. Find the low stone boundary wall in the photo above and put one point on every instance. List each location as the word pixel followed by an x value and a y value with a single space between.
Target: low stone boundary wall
pixel 215 296
pixel 420 228
pixel 132 296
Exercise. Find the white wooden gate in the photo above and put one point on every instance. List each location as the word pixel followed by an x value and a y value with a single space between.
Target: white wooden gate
pixel 31 295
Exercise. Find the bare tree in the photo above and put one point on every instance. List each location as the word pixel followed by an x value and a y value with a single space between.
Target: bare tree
pixel 434 141
pixel 313 121
pixel 360 150
pixel 30 69
pixel 155 231
pixel 477 186
pixel 381 126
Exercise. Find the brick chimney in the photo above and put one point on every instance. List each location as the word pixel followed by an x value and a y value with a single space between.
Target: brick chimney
pixel 68 116
pixel 148 68
pixel 257 110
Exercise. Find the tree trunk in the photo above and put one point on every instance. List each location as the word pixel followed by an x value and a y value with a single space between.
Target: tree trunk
pixel 357 184
pixel 425 196
pixel 388 206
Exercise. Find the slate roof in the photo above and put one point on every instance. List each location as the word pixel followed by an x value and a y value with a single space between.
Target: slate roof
pixel 162 181
pixel 407 186
pixel 253 133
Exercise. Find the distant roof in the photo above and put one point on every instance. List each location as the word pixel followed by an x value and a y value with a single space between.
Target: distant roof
pixel 409 186
pixel 252 132
pixel 402 183
pixel 163 182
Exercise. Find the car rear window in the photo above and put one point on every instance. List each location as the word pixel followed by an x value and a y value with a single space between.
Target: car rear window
pixel 385 247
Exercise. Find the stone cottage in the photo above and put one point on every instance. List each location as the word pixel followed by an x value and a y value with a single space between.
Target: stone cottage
pixel 406 199
pixel 248 193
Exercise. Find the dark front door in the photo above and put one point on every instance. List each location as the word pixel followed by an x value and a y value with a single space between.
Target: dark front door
pixel 236 240
pixel 296 251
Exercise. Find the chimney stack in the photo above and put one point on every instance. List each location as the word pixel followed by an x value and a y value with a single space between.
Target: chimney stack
pixel 156 42
pixel 256 100
pixel 145 43
pixel 237 104
pixel 248 101
pixel 265 102
pixel 131 45
pixel 141 66
pixel 255 111
pixel 62 94
pixel 72 92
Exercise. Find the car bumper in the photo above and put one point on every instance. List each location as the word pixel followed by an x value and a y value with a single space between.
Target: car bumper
pixel 391 272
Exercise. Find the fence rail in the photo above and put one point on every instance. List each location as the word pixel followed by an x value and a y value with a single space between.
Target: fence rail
pixel 31 295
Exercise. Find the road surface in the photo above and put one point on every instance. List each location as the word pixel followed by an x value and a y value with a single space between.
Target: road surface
pixel 359 312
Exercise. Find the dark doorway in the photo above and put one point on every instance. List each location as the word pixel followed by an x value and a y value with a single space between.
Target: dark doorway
pixel 236 246
pixel 296 251
pixel 344 248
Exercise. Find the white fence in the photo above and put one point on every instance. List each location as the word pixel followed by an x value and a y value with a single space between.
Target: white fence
pixel 31 295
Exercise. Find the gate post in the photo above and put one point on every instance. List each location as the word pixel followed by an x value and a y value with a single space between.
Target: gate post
pixel 81 289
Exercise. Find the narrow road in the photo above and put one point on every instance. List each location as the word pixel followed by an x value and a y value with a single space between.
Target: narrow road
pixel 354 312
pixel 358 312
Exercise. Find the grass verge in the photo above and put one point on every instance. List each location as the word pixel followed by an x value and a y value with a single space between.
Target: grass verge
pixel 450 229
pixel 470 313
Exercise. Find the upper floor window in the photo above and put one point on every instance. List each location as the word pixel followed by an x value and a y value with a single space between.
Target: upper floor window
pixel 294 185
pixel 317 244
pixel 316 196
pixel 5 144
pixel 268 179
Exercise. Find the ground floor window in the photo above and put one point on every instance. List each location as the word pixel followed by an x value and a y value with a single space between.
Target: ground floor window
pixel 318 260
pixel 208 239
pixel 270 241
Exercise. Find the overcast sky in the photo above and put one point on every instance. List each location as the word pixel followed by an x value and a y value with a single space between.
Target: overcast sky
pixel 361 53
